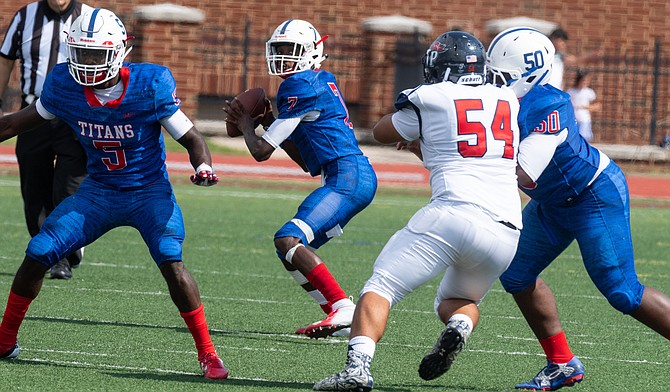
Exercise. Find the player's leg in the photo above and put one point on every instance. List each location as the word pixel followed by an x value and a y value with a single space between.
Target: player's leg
pixel 157 216
pixel 62 231
pixel 395 274
pixel 309 266
pixel 69 172
pixel 25 288
pixel 542 240
pixel 483 250
pixel 349 187
pixel 607 247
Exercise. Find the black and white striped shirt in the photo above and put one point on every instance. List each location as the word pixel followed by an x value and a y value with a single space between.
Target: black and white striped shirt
pixel 37 36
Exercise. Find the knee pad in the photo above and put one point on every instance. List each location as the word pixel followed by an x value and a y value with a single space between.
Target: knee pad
pixel 625 302
pixel 513 284
pixel 41 248
pixel 167 249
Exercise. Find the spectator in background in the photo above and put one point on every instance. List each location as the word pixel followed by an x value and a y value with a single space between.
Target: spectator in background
pixel 559 38
pixel 52 163
pixel 562 58
pixel 583 97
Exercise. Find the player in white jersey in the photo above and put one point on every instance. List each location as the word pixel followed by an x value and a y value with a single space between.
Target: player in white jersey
pixel 467 135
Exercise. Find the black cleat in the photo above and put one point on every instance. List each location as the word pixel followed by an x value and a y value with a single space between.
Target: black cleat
pixel 440 358
pixel 12 353
pixel 61 270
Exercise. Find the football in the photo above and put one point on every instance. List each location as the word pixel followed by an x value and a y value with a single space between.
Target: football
pixel 253 101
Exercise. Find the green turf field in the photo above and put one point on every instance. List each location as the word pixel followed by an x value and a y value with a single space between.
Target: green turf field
pixel 114 328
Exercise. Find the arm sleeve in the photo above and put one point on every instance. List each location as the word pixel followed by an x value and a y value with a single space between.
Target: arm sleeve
pixel 281 129
pixel 47 115
pixel 537 150
pixel 177 125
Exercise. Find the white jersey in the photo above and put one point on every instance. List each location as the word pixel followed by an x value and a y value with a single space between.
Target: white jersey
pixel 469 140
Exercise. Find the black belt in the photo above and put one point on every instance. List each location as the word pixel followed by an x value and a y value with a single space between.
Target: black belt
pixel 511 226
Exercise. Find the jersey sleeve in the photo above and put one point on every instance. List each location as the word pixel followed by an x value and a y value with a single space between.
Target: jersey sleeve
pixel 49 98
pixel 166 100
pixel 407 120
pixel 547 114
pixel 295 97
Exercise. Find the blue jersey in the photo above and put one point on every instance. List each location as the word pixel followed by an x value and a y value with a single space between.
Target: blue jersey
pixel 123 139
pixel 331 135
pixel 548 111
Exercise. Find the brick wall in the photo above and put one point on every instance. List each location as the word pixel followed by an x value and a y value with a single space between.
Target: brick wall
pixel 619 27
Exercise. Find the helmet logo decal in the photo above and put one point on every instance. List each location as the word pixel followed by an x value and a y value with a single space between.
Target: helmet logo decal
pixel 438 46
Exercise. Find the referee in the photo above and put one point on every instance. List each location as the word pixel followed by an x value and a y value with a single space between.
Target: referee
pixel 51 161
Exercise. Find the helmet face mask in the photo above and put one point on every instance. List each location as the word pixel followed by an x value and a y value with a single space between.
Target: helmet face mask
pixel 294 46
pixel 96 47
pixel 520 58
pixel 457 57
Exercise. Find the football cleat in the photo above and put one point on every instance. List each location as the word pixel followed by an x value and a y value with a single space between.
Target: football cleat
pixel 440 358
pixel 212 367
pixel 12 353
pixel 61 270
pixel 555 376
pixel 337 320
pixel 344 332
pixel 355 376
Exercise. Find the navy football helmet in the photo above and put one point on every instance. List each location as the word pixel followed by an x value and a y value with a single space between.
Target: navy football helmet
pixel 455 56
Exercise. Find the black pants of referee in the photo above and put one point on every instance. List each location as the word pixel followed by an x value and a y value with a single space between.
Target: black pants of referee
pixel 52 165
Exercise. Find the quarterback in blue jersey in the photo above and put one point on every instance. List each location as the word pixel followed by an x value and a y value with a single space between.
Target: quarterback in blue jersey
pixel 314 129
pixel 577 193
pixel 116 110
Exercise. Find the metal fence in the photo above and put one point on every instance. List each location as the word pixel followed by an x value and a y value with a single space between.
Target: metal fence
pixel 634 93
pixel 632 89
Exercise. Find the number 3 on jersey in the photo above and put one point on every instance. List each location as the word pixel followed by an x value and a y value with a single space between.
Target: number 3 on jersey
pixel 501 128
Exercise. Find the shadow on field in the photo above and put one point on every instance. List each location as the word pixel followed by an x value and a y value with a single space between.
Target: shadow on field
pixel 241 382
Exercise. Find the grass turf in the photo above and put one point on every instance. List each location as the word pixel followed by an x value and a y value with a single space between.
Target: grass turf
pixel 114 328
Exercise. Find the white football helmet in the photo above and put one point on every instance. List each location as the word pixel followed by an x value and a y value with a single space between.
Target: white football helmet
pixel 301 48
pixel 520 58
pixel 96 47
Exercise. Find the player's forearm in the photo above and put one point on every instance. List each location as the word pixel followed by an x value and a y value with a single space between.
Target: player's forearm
pixel 260 149
pixel 197 149
pixel 19 122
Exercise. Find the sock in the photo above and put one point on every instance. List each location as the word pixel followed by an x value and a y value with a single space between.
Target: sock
pixel 16 309
pixel 556 348
pixel 197 324
pixel 323 281
pixel 363 344
pixel 323 302
pixel 466 319
pixel 316 294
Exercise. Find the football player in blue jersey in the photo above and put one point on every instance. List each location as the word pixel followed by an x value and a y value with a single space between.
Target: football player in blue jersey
pixel 117 110
pixel 314 129
pixel 577 193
